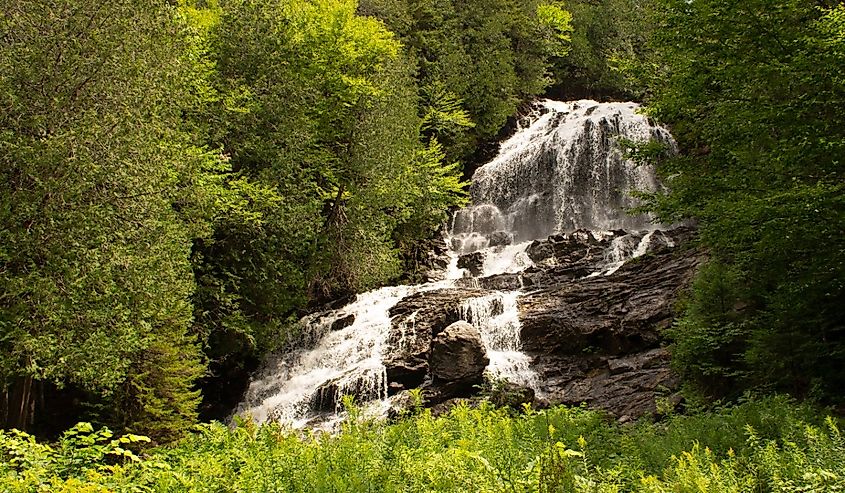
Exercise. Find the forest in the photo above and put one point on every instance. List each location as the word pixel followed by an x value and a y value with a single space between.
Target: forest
pixel 184 180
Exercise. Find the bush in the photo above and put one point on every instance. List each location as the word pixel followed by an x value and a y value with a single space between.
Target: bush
pixel 760 445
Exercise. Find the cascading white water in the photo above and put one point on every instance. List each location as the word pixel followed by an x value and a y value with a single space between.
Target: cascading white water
pixel 566 170
pixel 497 318
pixel 561 171
pixel 351 358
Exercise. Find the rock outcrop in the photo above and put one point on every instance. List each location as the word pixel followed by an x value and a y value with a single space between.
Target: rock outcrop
pixel 627 387
pixel 458 355
pixel 473 262
pixel 416 320
pixel 594 339
pixel 613 315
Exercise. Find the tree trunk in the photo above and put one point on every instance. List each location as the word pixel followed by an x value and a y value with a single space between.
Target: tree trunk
pixel 18 404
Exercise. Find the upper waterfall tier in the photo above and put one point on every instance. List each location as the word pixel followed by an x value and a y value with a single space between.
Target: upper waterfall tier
pixel 564 170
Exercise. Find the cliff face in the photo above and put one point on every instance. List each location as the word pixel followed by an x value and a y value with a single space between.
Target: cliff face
pixel 589 339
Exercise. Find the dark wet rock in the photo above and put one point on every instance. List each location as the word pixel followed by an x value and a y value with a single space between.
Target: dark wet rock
pixel 343 322
pixel 540 250
pixel 614 315
pixel 457 354
pixel 509 394
pixel 405 374
pixel 355 383
pixel 416 320
pixel 473 262
pixel 500 238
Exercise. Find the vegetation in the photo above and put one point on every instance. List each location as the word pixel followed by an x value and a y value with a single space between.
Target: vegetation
pixel 607 37
pixel 103 193
pixel 753 91
pixel 182 179
pixel 508 45
pixel 767 445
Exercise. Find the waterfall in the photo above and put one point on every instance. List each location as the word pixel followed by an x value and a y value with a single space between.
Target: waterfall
pixel 497 318
pixel 562 170
pixel 347 360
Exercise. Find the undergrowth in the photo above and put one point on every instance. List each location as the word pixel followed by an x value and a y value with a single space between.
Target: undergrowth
pixel 767 445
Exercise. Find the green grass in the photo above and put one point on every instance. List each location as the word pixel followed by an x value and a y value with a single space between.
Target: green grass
pixel 765 445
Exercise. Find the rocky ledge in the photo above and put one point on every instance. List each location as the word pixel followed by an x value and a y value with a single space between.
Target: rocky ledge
pixel 592 339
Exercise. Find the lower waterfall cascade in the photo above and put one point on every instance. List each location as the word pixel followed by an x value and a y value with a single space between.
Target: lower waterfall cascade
pixel 563 175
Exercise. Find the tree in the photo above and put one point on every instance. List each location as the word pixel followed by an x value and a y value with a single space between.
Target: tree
pixel 318 115
pixel 102 195
pixel 606 37
pixel 754 93
pixel 488 56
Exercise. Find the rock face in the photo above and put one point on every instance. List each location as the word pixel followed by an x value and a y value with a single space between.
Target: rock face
pixel 597 340
pixel 458 355
pixel 343 322
pixel 416 320
pixel 613 315
pixel 591 338
pixel 473 262
pixel 627 387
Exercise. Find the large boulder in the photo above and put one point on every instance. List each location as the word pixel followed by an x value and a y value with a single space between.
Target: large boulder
pixel 415 321
pixel 458 355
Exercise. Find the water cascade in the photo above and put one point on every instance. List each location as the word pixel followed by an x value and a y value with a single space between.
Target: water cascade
pixel 563 170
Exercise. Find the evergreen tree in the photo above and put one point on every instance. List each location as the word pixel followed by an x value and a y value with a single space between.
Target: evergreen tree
pixel 754 93
pixel 102 193
pixel 317 113
pixel 489 56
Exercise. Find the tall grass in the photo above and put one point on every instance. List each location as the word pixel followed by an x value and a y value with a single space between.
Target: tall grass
pixel 766 445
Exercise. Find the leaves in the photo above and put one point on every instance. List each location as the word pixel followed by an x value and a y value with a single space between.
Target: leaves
pixel 753 95
pixel 759 444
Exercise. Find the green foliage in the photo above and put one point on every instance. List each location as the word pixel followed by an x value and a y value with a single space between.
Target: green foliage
pixel 103 193
pixel 83 459
pixel 325 125
pixel 752 447
pixel 477 60
pixel 606 37
pixel 556 24
pixel 190 176
pixel 710 339
pixel 754 94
